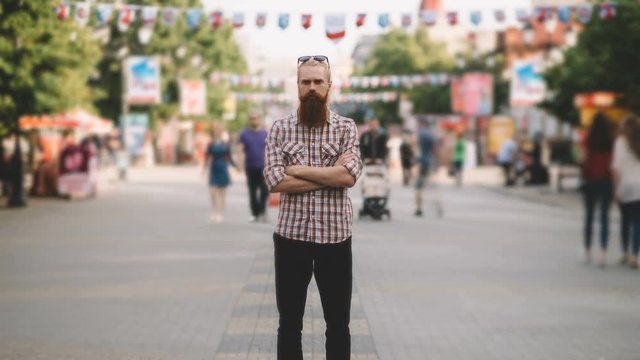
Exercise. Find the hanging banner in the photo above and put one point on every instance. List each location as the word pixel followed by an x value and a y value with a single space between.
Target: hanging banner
pixel 261 19
pixel 149 15
pixel 126 18
pixel 477 93
pixel 335 26
pixel 62 11
pixel 583 12
pixel 283 21
pixel 457 100
pixel 475 17
pixel 142 80
pixel 452 17
pixel 542 14
pixel 607 11
pixel 104 14
pixel 216 19
pixel 360 19
pixel 406 20
pixel 500 15
pixel 383 20
pixel 169 16
pixel 193 95
pixel 564 14
pixel 429 17
pixel 82 11
pixel 527 84
pixel 306 21
pixel 193 16
pixel 237 20
pixel 522 15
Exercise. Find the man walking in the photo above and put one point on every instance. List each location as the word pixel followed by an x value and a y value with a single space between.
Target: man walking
pixel 427 144
pixel 312 159
pixel 253 141
pixel 506 157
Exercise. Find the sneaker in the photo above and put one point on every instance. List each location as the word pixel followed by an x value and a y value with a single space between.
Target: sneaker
pixel 253 219
pixel 418 213
pixel 633 262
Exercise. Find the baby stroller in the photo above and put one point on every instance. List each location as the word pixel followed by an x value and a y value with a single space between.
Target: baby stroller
pixel 375 192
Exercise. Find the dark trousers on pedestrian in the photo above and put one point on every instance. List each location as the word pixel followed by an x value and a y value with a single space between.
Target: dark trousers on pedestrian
pixel 597 193
pixel 630 227
pixel 506 169
pixel 258 192
pixel 331 264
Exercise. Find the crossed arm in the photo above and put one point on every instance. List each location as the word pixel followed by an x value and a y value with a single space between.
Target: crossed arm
pixel 302 178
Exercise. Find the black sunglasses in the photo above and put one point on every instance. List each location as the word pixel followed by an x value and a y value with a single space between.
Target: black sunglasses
pixel 320 58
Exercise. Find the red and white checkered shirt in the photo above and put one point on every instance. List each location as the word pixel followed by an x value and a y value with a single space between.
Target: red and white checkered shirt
pixel 320 216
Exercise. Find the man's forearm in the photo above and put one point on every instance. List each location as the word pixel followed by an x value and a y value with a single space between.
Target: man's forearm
pixel 293 184
pixel 333 176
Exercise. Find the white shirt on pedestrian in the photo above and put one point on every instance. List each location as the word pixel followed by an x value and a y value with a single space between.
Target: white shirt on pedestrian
pixel 627 165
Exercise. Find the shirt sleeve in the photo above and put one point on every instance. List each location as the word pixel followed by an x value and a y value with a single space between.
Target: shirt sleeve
pixel 616 164
pixel 273 162
pixel 353 145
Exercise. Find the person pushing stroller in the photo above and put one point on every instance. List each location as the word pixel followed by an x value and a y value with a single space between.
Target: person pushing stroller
pixel 375 182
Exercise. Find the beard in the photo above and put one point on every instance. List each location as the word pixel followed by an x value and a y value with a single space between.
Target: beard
pixel 313 110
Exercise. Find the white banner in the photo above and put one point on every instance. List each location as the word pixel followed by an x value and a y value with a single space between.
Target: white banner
pixel 142 80
pixel 527 85
pixel 193 95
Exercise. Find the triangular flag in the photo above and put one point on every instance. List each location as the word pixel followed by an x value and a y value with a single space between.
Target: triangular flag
pixel 583 12
pixel 261 19
pixel 62 11
pixel 429 17
pixel 283 21
pixel 82 10
pixel 500 15
pixel 104 14
pixel 522 15
pixel 607 11
pixel 360 19
pixel 193 16
pixel 126 18
pixel 335 26
pixel 306 21
pixel 564 14
pixel 169 16
pixel 383 20
pixel 452 17
pixel 406 20
pixel 149 15
pixel 215 19
pixel 475 17
pixel 237 20
pixel 542 14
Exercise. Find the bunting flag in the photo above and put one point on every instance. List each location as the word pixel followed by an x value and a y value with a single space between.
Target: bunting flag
pixel 283 21
pixel 429 17
pixel 564 14
pixel 542 14
pixel 169 16
pixel 360 19
pixel 522 15
pixel 215 19
pixel 383 20
pixel 126 18
pixel 500 15
pixel 607 11
pixel 306 21
pixel 261 20
pixel 82 10
pixel 335 26
pixel 237 20
pixel 104 14
pixel 62 11
pixel 583 12
pixel 193 16
pixel 406 20
pixel 149 14
pixel 475 17
pixel 452 18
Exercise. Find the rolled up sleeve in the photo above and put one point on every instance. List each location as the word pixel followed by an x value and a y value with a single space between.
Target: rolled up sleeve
pixel 353 145
pixel 273 161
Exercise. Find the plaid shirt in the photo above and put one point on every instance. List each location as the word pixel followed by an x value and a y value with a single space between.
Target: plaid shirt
pixel 321 216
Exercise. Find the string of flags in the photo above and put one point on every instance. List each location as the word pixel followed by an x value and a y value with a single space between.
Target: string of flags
pixel 280 98
pixel 335 24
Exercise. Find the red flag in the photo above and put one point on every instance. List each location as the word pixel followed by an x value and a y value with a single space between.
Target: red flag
pixel 335 26
pixel 62 11
pixel 361 19
pixel 215 19
pixel 607 11
pixel 261 20
pixel 306 21
pixel 452 17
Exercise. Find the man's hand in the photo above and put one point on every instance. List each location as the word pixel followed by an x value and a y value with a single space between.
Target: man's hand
pixel 293 170
pixel 344 159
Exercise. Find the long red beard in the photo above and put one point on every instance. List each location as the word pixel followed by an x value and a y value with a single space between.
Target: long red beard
pixel 313 110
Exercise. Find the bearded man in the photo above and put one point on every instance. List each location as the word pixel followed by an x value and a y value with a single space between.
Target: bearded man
pixel 312 158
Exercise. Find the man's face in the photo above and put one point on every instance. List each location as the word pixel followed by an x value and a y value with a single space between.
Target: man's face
pixel 313 79
pixel 374 125
pixel 254 122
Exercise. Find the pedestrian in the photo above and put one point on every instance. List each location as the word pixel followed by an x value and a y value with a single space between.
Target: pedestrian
pixel 506 158
pixel 373 144
pixel 218 159
pixel 312 158
pixel 598 186
pixel 407 157
pixel 626 171
pixel 459 152
pixel 253 140
pixel 427 145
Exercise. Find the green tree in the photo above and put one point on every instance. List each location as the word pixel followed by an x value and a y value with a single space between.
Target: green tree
pixel 605 58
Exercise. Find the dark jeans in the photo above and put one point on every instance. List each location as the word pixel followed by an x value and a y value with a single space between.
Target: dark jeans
pixel 506 169
pixel 630 227
pixel 597 193
pixel 258 191
pixel 295 262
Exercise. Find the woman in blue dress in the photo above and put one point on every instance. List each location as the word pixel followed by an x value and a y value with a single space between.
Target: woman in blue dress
pixel 217 161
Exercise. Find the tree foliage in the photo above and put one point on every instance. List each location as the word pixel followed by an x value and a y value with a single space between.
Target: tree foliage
pixel 605 58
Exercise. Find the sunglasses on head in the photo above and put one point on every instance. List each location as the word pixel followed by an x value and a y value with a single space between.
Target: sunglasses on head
pixel 320 58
